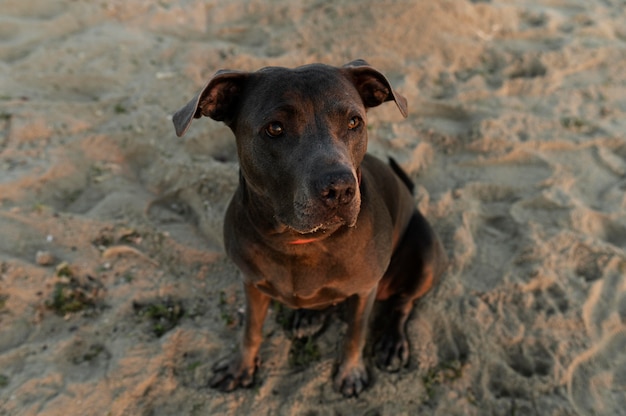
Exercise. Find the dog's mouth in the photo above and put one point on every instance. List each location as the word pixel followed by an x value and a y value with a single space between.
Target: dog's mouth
pixel 315 215
pixel 309 229
pixel 306 224
pixel 309 236
pixel 322 228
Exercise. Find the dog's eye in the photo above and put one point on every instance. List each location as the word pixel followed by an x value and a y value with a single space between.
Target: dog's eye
pixel 274 129
pixel 353 123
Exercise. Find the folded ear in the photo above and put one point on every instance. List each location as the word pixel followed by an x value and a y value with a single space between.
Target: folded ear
pixel 219 99
pixel 373 86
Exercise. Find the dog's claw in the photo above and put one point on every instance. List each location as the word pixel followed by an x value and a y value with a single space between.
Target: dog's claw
pixel 230 373
pixel 352 381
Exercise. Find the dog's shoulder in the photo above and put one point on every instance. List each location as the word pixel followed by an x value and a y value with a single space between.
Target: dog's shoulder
pixel 386 174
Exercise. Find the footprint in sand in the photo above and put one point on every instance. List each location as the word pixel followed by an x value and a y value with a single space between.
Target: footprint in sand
pixel 596 379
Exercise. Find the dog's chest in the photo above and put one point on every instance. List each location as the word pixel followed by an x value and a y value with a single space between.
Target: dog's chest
pixel 314 281
pixel 298 296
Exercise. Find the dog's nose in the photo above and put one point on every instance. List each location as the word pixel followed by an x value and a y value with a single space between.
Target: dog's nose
pixel 337 188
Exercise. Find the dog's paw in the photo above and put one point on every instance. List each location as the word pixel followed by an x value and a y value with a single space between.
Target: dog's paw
pixel 391 351
pixel 231 373
pixel 307 322
pixel 351 380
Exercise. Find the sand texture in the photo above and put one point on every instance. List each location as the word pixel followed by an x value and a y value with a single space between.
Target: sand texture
pixel 116 297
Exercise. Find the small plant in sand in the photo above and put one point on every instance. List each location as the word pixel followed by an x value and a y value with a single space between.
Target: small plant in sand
pixel 303 352
pixel 283 314
pixel 3 302
pixel 72 293
pixel 192 366
pixel 578 124
pixel 163 314
pixel 225 314
pixel 4 381
pixel 442 373
pixel 230 315
pixel 90 354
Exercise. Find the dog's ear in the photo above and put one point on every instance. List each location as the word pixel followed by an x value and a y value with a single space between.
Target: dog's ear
pixel 373 86
pixel 218 99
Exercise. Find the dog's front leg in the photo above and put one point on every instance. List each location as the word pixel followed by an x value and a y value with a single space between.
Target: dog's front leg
pixel 238 370
pixel 352 377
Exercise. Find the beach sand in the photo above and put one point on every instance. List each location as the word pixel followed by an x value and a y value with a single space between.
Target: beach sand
pixel 116 297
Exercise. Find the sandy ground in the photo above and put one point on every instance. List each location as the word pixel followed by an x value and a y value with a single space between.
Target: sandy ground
pixel 116 297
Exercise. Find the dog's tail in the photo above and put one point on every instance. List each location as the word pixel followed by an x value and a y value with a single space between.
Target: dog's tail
pixel 402 175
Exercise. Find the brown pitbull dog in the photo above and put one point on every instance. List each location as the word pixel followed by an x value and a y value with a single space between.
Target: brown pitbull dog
pixel 315 220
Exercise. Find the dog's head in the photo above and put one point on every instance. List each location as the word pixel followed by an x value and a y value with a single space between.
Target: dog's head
pixel 301 135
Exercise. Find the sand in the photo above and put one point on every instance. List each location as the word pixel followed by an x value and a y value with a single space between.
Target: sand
pixel 115 294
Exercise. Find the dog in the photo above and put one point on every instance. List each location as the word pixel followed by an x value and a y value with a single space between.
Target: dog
pixel 316 221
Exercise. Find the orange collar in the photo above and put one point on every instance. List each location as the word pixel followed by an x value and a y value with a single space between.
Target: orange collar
pixel 304 241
